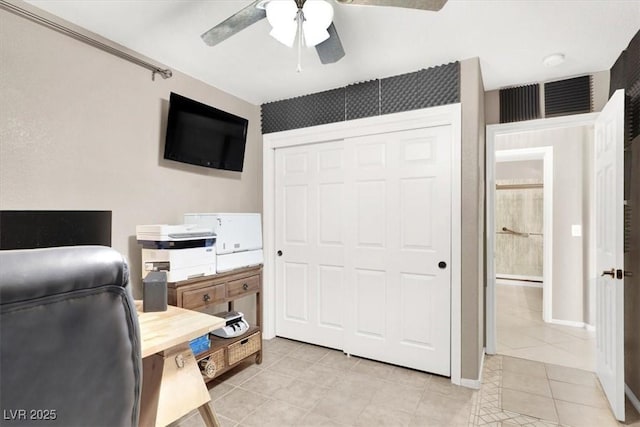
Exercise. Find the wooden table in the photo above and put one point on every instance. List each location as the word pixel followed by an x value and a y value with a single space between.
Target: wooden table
pixel 172 385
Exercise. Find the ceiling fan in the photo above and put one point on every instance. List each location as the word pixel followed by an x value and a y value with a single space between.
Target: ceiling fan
pixel 308 20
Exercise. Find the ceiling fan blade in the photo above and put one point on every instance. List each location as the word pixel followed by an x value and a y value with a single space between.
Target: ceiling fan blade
pixel 330 50
pixel 234 24
pixel 433 5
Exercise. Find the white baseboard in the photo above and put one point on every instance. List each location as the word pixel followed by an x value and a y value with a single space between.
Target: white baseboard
pixel 574 324
pixel 632 398
pixel 475 384
pixel 568 323
pixel 468 383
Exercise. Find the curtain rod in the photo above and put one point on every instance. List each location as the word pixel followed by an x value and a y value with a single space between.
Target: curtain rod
pixel 164 73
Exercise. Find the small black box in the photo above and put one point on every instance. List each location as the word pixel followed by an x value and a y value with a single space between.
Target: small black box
pixel 154 292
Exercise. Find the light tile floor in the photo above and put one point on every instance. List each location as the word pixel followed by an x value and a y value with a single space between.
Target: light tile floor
pixel 305 385
pixel 521 332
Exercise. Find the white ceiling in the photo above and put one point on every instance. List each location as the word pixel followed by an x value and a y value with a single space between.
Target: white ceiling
pixel 511 37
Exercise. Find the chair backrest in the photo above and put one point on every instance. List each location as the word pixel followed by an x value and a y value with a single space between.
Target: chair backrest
pixel 69 338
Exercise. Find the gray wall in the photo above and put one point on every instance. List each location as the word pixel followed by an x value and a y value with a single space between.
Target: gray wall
pixel 473 148
pixel 82 129
pixel 571 201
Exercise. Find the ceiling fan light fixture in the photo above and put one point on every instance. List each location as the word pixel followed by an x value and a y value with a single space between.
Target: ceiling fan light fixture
pixel 318 15
pixel 314 35
pixel 281 14
pixel 285 34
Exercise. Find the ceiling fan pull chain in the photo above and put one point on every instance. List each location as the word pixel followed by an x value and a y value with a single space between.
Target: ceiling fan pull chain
pixel 300 19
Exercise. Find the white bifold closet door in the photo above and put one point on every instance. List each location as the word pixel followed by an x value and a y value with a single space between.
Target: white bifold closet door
pixel 364 229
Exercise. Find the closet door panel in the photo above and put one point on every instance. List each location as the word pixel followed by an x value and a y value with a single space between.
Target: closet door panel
pixel 364 225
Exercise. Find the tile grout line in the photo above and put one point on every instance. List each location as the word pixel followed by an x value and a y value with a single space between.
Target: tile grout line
pixel 553 399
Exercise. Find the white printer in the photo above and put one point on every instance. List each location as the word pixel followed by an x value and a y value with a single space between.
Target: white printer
pixel 238 237
pixel 183 251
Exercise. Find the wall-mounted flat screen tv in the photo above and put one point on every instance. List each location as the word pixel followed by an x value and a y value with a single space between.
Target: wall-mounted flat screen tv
pixel 205 136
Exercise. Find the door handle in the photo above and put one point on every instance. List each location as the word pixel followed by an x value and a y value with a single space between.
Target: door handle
pixel 620 274
pixel 611 273
pixel 279 253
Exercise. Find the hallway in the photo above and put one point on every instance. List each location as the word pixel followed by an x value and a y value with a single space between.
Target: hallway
pixel 522 333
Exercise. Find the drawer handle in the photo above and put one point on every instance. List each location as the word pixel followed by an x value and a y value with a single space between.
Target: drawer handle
pixel 245 286
pixel 180 361
pixel 206 297
pixel 244 341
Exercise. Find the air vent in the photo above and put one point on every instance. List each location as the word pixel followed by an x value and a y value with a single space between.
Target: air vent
pixel 570 96
pixel 519 103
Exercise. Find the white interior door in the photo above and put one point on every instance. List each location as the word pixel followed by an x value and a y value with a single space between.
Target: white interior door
pixel 363 225
pixel 400 297
pixel 310 239
pixel 609 158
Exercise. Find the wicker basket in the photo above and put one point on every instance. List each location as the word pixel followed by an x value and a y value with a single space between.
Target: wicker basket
pixel 218 359
pixel 215 360
pixel 243 348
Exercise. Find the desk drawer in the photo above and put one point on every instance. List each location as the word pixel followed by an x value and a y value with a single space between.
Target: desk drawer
pixel 247 285
pixel 203 297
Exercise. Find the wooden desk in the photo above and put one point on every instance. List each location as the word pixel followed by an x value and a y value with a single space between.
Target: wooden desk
pixel 172 385
pixel 204 293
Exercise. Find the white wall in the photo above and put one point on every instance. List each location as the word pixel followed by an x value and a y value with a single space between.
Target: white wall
pixel 572 196
pixel 520 170
pixel 83 129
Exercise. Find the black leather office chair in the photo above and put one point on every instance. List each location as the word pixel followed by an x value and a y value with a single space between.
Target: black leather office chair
pixel 69 339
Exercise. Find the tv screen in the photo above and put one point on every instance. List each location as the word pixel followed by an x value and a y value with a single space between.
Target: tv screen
pixel 205 136
pixel 45 229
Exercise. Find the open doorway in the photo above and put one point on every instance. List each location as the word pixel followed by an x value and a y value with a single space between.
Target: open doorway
pixel 519 213
pixel 519 247
pixel 539 291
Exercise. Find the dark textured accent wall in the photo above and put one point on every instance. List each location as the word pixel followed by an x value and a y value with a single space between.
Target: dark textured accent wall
pixel 625 74
pixel 632 69
pixel 617 75
pixel 421 89
pixel 519 103
pixel 316 109
pixel 569 96
pixel 362 100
